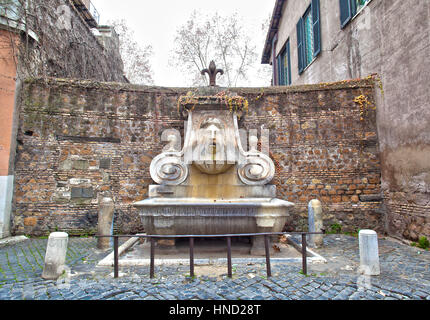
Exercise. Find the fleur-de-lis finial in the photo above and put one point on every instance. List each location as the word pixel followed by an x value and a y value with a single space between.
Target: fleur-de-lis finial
pixel 212 72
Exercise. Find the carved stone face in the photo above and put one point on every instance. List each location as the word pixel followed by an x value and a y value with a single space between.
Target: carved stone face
pixel 211 147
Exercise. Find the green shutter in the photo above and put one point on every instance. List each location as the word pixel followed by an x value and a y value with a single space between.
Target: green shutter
pixel 300 45
pixel 289 63
pixel 280 70
pixel 353 8
pixel 345 12
pixel 316 26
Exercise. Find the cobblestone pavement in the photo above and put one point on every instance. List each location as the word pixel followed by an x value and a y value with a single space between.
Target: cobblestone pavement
pixel 405 275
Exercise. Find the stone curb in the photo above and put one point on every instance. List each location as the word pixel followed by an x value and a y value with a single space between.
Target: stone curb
pixel 12 240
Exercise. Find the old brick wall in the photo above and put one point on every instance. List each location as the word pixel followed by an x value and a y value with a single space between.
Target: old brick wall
pixel 80 140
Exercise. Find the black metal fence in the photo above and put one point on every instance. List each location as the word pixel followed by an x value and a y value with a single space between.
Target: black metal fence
pixel 228 237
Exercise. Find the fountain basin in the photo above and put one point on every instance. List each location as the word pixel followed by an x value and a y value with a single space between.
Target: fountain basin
pixel 179 216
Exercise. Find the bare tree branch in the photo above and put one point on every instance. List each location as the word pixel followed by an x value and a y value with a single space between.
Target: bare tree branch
pixel 219 38
pixel 136 59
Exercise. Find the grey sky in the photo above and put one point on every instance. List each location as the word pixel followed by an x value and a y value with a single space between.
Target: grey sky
pixel 155 23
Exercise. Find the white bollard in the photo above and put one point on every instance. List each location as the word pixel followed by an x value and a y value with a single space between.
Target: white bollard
pixel 105 223
pixel 369 253
pixel 315 223
pixel 55 256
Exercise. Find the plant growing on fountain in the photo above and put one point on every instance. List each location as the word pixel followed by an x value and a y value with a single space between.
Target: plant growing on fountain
pixel 233 102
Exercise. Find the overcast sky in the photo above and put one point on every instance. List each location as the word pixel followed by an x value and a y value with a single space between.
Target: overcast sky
pixel 155 22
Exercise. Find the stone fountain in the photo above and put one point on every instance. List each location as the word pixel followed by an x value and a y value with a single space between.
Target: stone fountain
pixel 212 185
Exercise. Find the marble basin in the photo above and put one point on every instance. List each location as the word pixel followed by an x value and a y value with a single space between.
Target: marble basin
pixel 171 216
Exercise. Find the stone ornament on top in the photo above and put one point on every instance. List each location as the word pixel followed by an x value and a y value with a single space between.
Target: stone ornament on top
pixel 212 145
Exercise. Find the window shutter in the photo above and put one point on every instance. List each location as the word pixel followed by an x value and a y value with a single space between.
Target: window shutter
pixel 280 76
pixel 300 45
pixel 316 26
pixel 353 8
pixel 345 12
pixel 289 63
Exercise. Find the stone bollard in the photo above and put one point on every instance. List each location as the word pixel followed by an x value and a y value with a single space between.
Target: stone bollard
pixel 55 256
pixel 369 254
pixel 315 222
pixel 105 223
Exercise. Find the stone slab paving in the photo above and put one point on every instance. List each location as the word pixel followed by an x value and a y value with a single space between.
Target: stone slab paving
pixel 405 275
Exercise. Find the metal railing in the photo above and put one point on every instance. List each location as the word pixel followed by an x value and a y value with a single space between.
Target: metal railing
pixel 152 239
pixel 11 9
pixel 88 12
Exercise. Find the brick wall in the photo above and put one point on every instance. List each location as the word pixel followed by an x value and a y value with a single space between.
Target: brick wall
pixel 81 140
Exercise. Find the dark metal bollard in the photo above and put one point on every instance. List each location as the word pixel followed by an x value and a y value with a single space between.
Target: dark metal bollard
pixel 229 257
pixel 115 257
pixel 151 268
pixel 266 245
pixel 304 262
pixel 191 257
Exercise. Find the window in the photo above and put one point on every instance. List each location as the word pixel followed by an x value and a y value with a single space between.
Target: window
pixel 348 9
pixel 11 9
pixel 309 35
pixel 284 66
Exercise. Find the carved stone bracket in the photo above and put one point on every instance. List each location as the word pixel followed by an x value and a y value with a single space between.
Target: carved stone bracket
pixel 168 168
pixel 255 168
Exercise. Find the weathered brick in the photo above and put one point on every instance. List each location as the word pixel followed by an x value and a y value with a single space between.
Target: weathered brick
pixel 317 162
pixel 30 221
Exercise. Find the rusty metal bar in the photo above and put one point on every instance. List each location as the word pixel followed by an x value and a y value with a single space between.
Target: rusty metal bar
pixel 115 257
pixel 208 235
pixel 304 260
pixel 151 268
pixel 230 274
pixel 191 257
pixel 267 248
pixel 228 236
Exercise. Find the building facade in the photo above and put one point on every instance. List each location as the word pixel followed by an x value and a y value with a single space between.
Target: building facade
pixel 46 38
pixel 315 41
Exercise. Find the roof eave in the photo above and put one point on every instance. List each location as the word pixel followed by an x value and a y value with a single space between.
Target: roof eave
pixel 274 24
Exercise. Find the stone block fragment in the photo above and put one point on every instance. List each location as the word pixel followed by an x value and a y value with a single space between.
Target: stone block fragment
pixel 315 221
pixel 104 225
pixel 369 253
pixel 55 256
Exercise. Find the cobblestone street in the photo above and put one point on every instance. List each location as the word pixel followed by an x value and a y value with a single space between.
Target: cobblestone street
pixel 405 274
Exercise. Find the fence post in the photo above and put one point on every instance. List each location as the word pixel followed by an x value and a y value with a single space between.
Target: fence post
pixel 191 257
pixel 229 257
pixel 151 268
pixel 304 259
pixel 266 246
pixel 115 257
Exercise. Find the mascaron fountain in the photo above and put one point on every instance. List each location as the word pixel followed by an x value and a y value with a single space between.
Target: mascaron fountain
pixel 212 185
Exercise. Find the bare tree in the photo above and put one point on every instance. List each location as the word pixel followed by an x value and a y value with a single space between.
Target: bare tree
pixel 264 71
pixel 137 66
pixel 219 38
